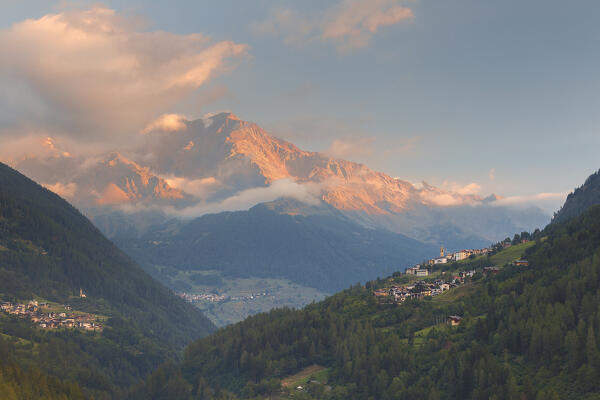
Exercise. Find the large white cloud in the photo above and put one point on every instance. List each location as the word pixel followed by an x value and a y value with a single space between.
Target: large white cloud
pixel 97 73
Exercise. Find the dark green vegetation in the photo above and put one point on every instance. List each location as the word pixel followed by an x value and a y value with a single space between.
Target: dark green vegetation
pixel 48 249
pixel 17 384
pixel 327 252
pixel 580 199
pixel 527 333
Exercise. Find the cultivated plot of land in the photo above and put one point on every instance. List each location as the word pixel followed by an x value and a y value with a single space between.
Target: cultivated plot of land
pixel 315 372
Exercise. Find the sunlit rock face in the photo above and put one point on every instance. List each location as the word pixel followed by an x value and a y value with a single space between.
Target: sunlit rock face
pixel 117 180
pixel 240 154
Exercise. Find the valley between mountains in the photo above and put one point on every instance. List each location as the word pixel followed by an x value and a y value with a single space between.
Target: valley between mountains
pixel 490 324
pixel 219 209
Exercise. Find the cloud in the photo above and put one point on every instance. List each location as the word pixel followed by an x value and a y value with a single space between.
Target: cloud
pixel 250 197
pixel 349 25
pixel 472 188
pixel 442 199
pixel 451 194
pixel 99 74
pixel 167 123
pixel 548 201
pixel 492 174
pixel 63 190
pixel 351 148
pixel 201 188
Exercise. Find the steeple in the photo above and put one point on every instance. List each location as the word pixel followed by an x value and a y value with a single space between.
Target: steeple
pixel 441 251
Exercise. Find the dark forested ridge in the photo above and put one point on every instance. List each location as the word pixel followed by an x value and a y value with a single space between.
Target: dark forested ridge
pixel 49 250
pixel 17 384
pixel 325 251
pixel 527 333
pixel 580 199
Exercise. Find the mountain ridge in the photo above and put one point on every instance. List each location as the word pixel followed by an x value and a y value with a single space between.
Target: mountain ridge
pixel 48 250
pixel 582 198
pixel 212 161
pixel 327 251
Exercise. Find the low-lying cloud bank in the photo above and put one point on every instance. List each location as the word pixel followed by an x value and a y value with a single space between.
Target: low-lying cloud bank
pixel 240 201
pixel 549 202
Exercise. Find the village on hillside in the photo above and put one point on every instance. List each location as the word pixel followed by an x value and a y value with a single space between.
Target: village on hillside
pixel 431 288
pixel 46 316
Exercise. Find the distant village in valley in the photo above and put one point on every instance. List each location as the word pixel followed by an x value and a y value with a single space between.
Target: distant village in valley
pixel 48 316
pixel 217 298
pixel 447 281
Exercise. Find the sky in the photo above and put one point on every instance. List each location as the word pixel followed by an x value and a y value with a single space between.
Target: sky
pixel 495 97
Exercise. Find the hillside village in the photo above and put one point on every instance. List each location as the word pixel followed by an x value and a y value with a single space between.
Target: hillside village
pixel 42 315
pixel 431 288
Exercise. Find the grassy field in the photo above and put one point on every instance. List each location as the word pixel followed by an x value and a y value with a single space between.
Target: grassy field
pixel 505 256
pixel 511 254
pixel 454 294
pixel 311 372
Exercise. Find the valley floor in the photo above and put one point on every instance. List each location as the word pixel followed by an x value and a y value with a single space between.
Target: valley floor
pixel 239 298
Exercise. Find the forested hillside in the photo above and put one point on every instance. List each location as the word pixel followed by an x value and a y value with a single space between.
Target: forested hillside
pixel 49 251
pixel 528 332
pixel 17 384
pixel 580 199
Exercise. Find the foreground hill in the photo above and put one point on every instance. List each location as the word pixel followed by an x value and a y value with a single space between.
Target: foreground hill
pixel 322 250
pixel 50 252
pixel 580 199
pixel 527 332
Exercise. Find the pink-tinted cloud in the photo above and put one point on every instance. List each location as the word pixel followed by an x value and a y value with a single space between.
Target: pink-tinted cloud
pixel 472 188
pixel 451 194
pixel 167 123
pixel 351 148
pixel 349 25
pixel 200 188
pixel 67 190
pixel 99 73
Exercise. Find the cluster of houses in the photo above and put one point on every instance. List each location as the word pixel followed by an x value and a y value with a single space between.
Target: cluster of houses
pixel 459 255
pixel 421 289
pixel 195 298
pixel 251 296
pixel 417 271
pixel 217 298
pixel 51 320
pixel 418 290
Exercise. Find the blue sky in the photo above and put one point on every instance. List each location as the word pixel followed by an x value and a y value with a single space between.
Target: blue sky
pixel 504 94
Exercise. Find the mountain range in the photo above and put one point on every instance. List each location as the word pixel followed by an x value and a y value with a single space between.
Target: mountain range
pixel 326 251
pixel 221 197
pixel 221 163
